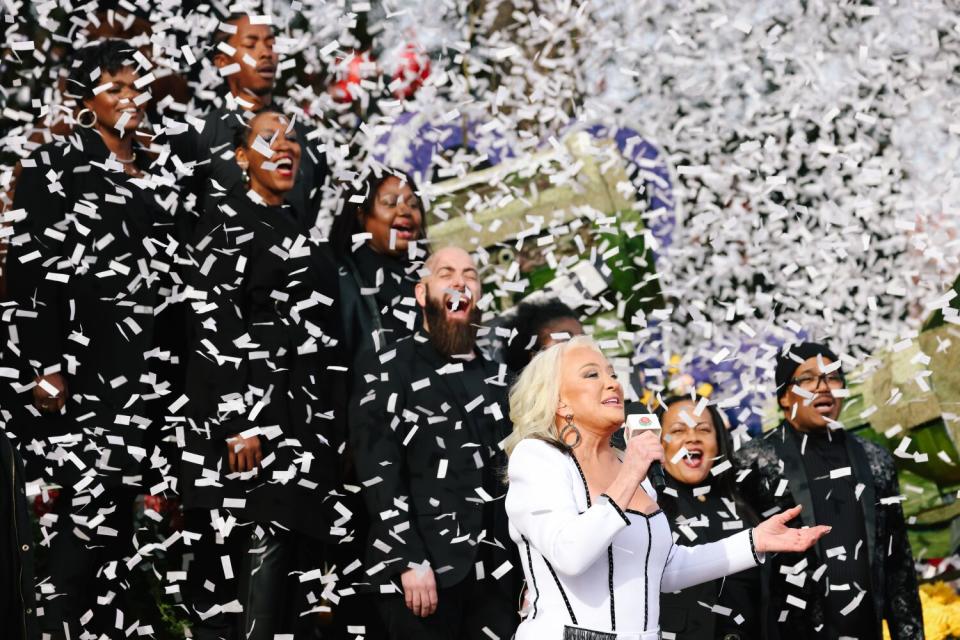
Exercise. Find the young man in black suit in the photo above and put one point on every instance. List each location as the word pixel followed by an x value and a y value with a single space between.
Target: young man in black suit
pixel 427 418
pixel 242 48
pixel 862 572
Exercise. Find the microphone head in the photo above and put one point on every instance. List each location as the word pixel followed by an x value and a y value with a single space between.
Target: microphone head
pixel 637 422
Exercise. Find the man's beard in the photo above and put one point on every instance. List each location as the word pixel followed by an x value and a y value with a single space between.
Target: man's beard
pixel 451 337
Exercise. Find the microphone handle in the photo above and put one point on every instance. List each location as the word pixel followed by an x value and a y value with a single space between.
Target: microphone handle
pixel 655 474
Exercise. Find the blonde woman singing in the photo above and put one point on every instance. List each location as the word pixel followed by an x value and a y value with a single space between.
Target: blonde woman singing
pixel 596 549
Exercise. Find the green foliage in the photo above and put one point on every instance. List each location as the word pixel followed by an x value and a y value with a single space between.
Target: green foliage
pixel 633 272
pixel 174 622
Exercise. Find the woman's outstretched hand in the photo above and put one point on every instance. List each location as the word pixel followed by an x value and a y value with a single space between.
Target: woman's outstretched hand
pixel 773 534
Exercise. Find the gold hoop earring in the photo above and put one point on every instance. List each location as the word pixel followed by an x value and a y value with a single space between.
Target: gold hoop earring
pixel 84 124
pixel 567 428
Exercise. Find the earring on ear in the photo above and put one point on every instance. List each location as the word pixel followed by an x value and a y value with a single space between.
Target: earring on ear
pixel 567 428
pixel 245 176
pixel 86 118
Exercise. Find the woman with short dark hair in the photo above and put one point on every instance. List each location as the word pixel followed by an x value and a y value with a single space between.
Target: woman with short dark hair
pixel 378 242
pixel 111 105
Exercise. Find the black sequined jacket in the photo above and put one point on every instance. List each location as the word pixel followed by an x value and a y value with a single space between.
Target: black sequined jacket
pixel 776 457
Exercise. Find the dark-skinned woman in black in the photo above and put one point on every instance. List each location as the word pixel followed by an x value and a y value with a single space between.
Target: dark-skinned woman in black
pixel 704 506
pixel 266 386
pixel 93 268
pixel 378 241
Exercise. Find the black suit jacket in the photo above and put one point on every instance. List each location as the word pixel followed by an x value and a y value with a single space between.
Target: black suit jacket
pixel 94 268
pixel 265 355
pixel 422 452
pixel 776 457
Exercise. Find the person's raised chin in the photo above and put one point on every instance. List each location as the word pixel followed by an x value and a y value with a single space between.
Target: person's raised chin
pixel 448 293
pixel 809 403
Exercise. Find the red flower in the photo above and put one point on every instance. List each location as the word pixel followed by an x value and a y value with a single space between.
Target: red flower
pixel 352 70
pixel 413 67
pixel 41 506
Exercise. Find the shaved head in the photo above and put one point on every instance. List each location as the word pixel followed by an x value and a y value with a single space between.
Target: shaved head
pixel 446 256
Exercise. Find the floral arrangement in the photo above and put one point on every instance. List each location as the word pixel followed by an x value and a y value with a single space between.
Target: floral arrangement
pixel 941 612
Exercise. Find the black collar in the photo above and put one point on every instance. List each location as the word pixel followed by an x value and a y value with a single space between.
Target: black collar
pixel 92 146
pixel 836 437
pixel 238 194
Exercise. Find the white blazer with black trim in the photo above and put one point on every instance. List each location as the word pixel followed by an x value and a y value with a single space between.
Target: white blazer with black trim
pixel 594 565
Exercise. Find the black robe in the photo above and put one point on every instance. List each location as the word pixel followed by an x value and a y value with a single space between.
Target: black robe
pixel 17 606
pixel 94 267
pixel 266 354
pixel 835 503
pixel 389 309
pixel 425 431
pixel 778 480
pixel 682 613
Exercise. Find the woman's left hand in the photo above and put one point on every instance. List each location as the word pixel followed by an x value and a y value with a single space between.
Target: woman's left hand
pixel 774 535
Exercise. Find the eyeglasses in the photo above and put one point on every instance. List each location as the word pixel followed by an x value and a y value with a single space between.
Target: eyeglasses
pixel 810 381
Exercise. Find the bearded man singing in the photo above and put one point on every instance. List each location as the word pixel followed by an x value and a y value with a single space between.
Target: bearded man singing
pixel 427 416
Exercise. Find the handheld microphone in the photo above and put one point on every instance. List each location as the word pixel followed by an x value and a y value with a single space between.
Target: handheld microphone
pixel 636 423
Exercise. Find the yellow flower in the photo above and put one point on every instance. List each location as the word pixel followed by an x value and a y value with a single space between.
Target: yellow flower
pixel 941 612
pixel 673 365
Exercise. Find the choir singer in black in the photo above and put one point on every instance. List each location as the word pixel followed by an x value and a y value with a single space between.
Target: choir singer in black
pixel 94 269
pixel 266 392
pixel 427 418
pixel 702 501
pixel 862 573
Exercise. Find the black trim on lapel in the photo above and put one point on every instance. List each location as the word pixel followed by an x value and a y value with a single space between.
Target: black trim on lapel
pixel 868 499
pixel 788 451
pixel 868 502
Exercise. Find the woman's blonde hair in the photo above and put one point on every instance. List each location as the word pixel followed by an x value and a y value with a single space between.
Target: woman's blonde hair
pixel 536 393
